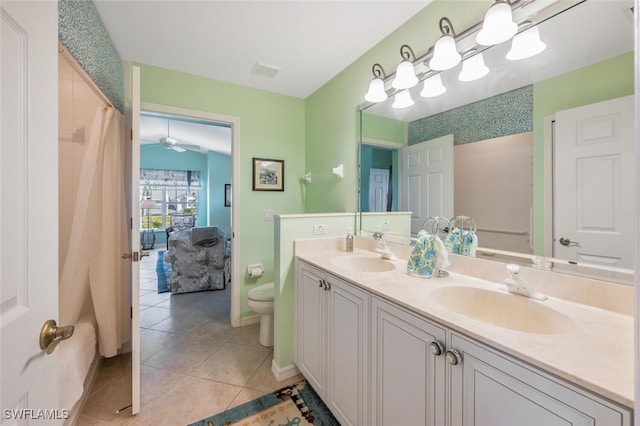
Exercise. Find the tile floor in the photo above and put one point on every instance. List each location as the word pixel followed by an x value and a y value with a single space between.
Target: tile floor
pixel 194 364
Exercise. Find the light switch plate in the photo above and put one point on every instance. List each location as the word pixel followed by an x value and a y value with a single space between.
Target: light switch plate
pixel 319 229
pixel 267 214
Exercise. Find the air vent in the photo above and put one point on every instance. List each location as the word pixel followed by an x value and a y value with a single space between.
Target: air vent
pixel 265 70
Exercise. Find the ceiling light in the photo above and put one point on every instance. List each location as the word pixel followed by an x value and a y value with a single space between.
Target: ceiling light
pixel 405 73
pixel 473 68
pixel 445 55
pixel 526 44
pixel 433 87
pixel 498 25
pixel 402 100
pixel 376 92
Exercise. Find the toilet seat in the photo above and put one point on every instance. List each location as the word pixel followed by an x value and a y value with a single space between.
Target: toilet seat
pixel 262 293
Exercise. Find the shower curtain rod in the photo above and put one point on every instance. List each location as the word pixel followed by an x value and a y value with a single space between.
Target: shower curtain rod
pixel 78 68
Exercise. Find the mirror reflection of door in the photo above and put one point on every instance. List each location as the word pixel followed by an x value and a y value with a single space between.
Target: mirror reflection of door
pixel 426 182
pixel 594 175
pixel 378 190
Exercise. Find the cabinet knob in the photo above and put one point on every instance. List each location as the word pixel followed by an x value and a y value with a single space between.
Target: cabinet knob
pixel 454 357
pixel 437 348
pixel 321 283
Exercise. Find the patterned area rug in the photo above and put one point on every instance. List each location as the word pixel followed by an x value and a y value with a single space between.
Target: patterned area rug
pixel 295 405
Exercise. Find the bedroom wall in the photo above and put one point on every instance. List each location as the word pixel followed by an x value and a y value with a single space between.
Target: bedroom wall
pixel 219 175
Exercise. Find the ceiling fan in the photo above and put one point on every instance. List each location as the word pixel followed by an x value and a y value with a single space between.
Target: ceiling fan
pixel 172 143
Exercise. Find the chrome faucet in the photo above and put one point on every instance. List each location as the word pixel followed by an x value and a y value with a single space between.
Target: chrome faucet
pixel 382 248
pixel 517 285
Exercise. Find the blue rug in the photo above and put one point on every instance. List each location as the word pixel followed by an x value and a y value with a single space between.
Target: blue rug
pixel 301 393
pixel 164 273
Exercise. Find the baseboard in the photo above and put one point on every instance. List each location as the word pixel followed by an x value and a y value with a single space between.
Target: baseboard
pixel 92 374
pixel 283 373
pixel 251 319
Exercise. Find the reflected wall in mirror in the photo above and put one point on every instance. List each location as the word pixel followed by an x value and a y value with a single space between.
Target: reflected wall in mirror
pixel 520 99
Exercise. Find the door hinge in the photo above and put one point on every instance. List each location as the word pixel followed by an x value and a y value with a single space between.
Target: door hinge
pixel 131 136
pixel 131 312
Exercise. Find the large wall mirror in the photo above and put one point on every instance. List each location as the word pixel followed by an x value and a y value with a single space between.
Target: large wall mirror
pixel 542 149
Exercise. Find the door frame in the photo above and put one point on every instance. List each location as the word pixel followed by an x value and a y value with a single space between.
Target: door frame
pixel 234 122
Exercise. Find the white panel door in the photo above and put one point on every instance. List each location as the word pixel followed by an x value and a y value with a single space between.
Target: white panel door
pixel 426 180
pixel 347 349
pixel 28 209
pixel 132 138
pixel 408 380
pixel 594 179
pixel 378 190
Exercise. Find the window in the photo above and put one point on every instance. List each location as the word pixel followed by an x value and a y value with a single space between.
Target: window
pixel 174 192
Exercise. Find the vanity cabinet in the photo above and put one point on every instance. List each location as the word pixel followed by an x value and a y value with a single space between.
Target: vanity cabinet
pixel 332 319
pixel 489 388
pixel 421 372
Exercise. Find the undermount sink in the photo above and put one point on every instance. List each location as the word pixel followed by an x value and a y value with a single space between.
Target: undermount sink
pixel 359 263
pixel 503 310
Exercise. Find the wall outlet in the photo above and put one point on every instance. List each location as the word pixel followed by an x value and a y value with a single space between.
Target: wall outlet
pixel 319 229
pixel 267 214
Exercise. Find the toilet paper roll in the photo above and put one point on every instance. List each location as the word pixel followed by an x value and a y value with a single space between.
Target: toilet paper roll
pixel 255 271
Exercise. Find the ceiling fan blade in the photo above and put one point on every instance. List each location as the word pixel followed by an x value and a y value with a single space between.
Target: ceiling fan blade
pixel 177 148
pixel 188 146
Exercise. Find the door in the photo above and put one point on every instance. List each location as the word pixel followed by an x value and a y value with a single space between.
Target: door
pixel 310 328
pixel 28 207
pixel 594 177
pixel 348 322
pixel 408 380
pixel 378 189
pixel 426 180
pixel 489 389
pixel 132 179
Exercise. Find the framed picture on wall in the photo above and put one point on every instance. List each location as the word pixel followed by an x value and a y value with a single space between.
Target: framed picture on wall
pixel 227 195
pixel 268 175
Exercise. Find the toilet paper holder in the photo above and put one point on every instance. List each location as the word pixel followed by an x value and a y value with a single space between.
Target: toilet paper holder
pixel 255 270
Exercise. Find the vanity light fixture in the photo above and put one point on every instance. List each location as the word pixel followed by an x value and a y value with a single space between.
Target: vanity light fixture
pixel 376 92
pixel 433 87
pixel 498 25
pixel 405 73
pixel 473 68
pixel 445 55
pixel 402 100
pixel 526 44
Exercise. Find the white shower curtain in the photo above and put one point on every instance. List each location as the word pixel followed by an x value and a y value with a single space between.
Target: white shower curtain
pixel 93 268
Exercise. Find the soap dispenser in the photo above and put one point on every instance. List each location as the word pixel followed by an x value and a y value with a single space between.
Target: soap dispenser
pixel 349 240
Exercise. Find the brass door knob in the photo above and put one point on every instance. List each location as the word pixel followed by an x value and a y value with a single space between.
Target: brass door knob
pixel 51 335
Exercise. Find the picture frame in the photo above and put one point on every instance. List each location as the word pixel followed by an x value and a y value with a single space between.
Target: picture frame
pixel 268 174
pixel 227 195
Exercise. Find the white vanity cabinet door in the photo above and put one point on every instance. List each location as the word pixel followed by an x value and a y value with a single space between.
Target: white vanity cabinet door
pixel 407 379
pixel 331 341
pixel 348 314
pixel 489 388
pixel 310 326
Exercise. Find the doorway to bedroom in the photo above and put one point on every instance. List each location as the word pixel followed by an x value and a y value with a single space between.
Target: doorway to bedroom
pixel 186 176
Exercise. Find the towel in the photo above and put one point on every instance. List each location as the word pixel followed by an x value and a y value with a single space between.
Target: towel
pixel 429 255
pixel 206 236
pixel 461 242
pixel 75 356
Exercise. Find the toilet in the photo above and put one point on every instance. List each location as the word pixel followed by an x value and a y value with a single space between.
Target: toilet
pixel 260 300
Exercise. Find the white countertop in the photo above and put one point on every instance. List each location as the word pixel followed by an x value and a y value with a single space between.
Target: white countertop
pixel 597 354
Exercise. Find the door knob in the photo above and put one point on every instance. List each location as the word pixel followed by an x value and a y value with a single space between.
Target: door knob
pixel 567 242
pixel 51 335
pixel 144 254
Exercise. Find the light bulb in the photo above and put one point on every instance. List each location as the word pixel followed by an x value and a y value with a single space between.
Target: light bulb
pixel 376 92
pixel 526 44
pixel 498 25
pixel 445 55
pixel 405 76
pixel 403 100
pixel 473 68
pixel 433 87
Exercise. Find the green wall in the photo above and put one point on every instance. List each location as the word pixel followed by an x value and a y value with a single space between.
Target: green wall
pixel 332 131
pixel 605 80
pixel 271 126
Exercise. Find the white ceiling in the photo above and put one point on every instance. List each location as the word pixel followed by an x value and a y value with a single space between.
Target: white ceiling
pixel 310 41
